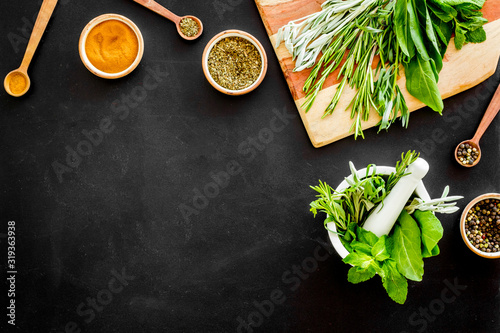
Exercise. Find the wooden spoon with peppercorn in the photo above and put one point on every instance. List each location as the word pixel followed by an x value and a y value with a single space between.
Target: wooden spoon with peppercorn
pixel 189 27
pixel 468 152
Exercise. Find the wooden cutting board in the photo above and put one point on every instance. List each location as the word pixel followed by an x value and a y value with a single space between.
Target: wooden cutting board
pixel 461 69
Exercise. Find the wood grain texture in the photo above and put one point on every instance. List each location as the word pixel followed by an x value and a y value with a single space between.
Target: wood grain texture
pixel 461 69
pixel 36 35
pixel 489 115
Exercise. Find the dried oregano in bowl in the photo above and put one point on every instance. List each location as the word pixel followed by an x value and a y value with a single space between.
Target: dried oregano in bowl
pixel 234 62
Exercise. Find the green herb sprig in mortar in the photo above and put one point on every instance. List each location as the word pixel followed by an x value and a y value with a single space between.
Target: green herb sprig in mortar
pixel 398 256
pixel 354 203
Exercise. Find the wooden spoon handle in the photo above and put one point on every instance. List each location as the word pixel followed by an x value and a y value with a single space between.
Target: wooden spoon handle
pixel 159 9
pixel 489 115
pixel 40 25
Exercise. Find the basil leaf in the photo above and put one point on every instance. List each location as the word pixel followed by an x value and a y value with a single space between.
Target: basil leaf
pixel 357 274
pixel 379 250
pixel 434 51
pixel 415 32
pixel 443 31
pixel 477 4
pixel 421 83
pixel 349 236
pixel 366 236
pixel 459 36
pixel 432 231
pixel 402 29
pixel 434 70
pixel 361 248
pixel 406 248
pixel 434 252
pixel 358 259
pixel 394 283
pixel 443 11
pixel 447 31
pixel 476 36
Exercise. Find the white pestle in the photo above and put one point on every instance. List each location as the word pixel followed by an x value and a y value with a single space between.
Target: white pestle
pixel 383 217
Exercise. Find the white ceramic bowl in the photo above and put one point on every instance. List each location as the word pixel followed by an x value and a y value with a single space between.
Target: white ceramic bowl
pixel 251 39
pixel 83 39
pixel 420 191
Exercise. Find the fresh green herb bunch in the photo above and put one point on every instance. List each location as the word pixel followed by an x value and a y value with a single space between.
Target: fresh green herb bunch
pixel 359 29
pixel 401 165
pixel 423 30
pixel 354 203
pixel 395 257
pixel 348 34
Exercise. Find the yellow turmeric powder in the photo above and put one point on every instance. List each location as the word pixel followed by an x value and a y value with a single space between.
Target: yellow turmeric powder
pixel 112 46
pixel 17 83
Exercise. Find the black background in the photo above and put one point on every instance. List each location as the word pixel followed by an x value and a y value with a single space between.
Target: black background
pixel 121 207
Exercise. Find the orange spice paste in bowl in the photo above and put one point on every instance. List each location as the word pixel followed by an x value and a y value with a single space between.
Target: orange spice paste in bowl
pixel 112 46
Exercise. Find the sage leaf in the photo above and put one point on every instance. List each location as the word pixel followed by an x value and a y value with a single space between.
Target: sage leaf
pixel 406 250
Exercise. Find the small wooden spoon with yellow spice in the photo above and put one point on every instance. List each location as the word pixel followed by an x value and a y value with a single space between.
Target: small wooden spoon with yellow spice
pixel 18 82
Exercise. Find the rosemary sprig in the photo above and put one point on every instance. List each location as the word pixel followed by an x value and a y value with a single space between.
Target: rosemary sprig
pixel 406 160
pixel 351 204
pixel 353 32
pixel 354 203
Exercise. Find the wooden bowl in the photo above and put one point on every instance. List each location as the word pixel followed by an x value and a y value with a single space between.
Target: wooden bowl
pixel 83 39
pixel 489 255
pixel 251 39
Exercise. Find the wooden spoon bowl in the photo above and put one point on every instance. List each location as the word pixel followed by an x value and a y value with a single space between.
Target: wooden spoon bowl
pixel 159 9
pixel 473 144
pixel 488 117
pixel 194 18
pixel 21 73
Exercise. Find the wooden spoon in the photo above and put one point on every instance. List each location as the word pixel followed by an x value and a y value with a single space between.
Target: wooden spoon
pixel 159 9
pixel 21 74
pixel 488 117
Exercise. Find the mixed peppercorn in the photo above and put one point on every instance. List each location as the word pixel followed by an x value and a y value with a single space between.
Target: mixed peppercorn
pixel 482 225
pixel 467 154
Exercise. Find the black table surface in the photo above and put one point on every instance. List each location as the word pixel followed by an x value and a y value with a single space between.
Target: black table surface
pixel 189 214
